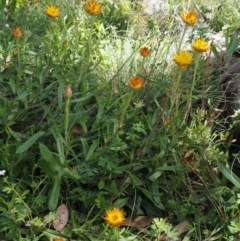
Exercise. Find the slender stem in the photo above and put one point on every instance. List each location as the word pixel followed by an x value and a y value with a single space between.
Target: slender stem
pixel 126 104
pixel 180 43
pixel 116 233
pixel 66 121
pixel 189 100
pixel 194 75
pixel 18 66
pixel 89 49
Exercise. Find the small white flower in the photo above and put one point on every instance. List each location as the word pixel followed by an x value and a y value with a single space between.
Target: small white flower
pixel 2 173
pixel 7 25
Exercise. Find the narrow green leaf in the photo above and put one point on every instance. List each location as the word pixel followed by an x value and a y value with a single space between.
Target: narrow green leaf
pixel 161 169
pixel 54 196
pixel 31 141
pixel 92 149
pixel 232 177
pixel 149 195
pixel 60 144
pixel 136 181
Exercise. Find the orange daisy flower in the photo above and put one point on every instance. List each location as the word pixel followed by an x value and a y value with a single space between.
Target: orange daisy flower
pixel 145 51
pixel 93 8
pixel 115 217
pixel 136 82
pixel 17 33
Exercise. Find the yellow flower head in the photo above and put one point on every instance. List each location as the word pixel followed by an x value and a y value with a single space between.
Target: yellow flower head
pixel 115 217
pixel 200 45
pixel 52 11
pixel 145 51
pixel 58 239
pixel 190 18
pixel 183 58
pixel 93 8
pixel 17 33
pixel 136 82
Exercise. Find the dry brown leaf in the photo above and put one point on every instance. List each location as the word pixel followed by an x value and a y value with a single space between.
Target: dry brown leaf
pixel 139 222
pixel 181 228
pixel 7 61
pixel 77 130
pixel 60 222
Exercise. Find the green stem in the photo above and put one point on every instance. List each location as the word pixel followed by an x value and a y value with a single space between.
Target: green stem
pixel 116 233
pixel 189 98
pixel 180 43
pixel 194 75
pixel 177 93
pixel 126 104
pixel 18 66
pixel 89 49
pixel 66 121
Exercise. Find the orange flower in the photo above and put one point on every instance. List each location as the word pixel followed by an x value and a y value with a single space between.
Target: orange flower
pixel 58 239
pixel 115 217
pixel 190 18
pixel 52 11
pixel 93 8
pixel 145 51
pixel 200 45
pixel 136 82
pixel 68 92
pixel 17 33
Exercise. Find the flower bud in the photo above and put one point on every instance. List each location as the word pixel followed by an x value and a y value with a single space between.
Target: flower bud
pixel 68 92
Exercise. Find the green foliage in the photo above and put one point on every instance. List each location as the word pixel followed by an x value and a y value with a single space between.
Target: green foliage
pixel 74 132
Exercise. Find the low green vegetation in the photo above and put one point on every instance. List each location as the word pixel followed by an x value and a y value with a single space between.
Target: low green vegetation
pixel 115 125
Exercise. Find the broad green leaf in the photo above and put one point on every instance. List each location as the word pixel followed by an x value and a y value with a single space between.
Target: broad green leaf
pixel 114 188
pixel 101 184
pixel 47 155
pixel 44 165
pixel 31 141
pixel 120 202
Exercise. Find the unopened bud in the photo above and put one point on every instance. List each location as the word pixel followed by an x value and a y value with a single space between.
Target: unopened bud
pixel 68 92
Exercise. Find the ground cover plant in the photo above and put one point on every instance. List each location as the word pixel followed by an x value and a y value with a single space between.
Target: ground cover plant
pixel 117 125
